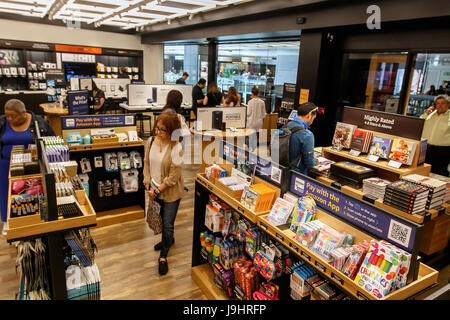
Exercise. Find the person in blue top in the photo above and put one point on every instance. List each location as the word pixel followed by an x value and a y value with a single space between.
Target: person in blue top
pixel 301 144
pixel 16 128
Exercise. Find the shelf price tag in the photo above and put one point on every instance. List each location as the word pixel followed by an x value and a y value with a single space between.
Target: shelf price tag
pixel 263 226
pixel 394 164
pixel 238 292
pixel 354 153
pixel 361 296
pixel 372 158
pixel 279 237
pixel 335 277
pixel 241 210
pixel 305 255
pixel 320 267
pixel 293 247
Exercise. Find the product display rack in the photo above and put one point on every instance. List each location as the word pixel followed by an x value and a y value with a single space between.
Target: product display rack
pixel 424 276
pixel 50 227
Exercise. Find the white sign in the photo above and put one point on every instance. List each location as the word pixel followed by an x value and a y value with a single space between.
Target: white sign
pixel 373 158
pixel 234 117
pixel 354 153
pixel 394 164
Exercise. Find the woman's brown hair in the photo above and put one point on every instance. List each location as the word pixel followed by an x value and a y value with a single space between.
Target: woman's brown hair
pixel 174 100
pixel 170 121
pixel 232 96
pixel 212 88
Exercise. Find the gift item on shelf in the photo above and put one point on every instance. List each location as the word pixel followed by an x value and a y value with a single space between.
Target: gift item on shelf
pixel 104 138
pixel 361 140
pixel 380 147
pixel 22 162
pixel 281 211
pixel 124 161
pixel 136 159
pixel 215 172
pixel 343 135
pixel 87 284
pixel 68 207
pixel 253 239
pixel 57 153
pixel 339 257
pixel 304 211
pixel 302 274
pixel 327 240
pixel 82 245
pixel 267 291
pixel 258 197
pixel 437 189
pixel 53 141
pixel 74 139
pixel 24 205
pixel 351 173
pixel 230 251
pixel 406 196
pixel 111 162
pixel 355 259
pixel 379 270
pixel 307 233
pixel 129 180
pixel 213 218
pixel 403 151
pixel 375 187
pixel 324 290
pixel 224 279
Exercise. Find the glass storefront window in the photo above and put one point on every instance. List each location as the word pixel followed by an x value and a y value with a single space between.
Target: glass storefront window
pixel 265 65
pixel 192 59
pixel 431 77
pixel 373 80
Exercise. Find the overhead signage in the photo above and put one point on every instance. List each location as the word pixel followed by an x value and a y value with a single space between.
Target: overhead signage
pixel 380 223
pixel 77 49
pixel 78 102
pixel 390 123
pixel 304 96
pixel 289 91
pixel 97 121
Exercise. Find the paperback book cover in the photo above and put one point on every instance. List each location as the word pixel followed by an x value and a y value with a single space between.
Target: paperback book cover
pixel 361 140
pixel 380 147
pixel 403 151
pixel 423 151
pixel 343 135
pixel 280 212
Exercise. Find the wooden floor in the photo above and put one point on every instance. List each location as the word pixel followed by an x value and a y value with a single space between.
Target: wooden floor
pixel 127 261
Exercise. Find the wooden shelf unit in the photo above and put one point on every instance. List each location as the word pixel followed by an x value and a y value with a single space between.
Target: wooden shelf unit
pixel 426 275
pixel 203 275
pixel 109 145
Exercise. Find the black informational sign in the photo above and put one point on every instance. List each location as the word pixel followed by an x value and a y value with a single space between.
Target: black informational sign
pixel 289 91
pixel 390 123
pixel 78 102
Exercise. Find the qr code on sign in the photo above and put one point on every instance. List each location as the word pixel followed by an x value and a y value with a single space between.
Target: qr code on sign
pixel 129 120
pixel 400 233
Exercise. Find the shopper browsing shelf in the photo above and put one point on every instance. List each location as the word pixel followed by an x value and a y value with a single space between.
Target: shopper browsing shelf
pixel 233 98
pixel 301 144
pixel 214 97
pixel 437 130
pixel 163 179
pixel 197 95
pixel 183 78
pixel 16 128
pixel 98 99
pixel 256 111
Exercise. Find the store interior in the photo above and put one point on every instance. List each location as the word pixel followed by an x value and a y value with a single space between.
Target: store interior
pixel 234 239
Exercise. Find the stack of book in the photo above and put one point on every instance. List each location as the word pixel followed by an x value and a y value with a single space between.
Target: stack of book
pixel 375 187
pixel 322 168
pixel 349 173
pixel 437 189
pixel 406 196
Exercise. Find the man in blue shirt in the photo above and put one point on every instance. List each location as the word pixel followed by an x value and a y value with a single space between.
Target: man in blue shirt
pixel 301 144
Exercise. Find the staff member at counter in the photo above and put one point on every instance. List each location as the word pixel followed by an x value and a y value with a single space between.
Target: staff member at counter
pixel 437 130
pixel 16 128
pixel 98 99
pixel 197 95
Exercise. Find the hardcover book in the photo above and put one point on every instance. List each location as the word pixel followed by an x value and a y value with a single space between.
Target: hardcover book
pixel 361 140
pixel 343 135
pixel 380 147
pixel 403 151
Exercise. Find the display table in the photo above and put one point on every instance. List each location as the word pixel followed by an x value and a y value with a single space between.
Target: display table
pixel 53 113
pixel 209 137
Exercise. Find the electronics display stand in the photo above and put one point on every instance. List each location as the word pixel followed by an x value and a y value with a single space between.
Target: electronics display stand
pixel 117 208
pixel 384 171
pixel 202 273
pixel 52 229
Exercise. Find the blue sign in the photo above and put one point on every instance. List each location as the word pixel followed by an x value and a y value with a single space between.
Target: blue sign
pixel 378 222
pixel 97 121
pixel 78 102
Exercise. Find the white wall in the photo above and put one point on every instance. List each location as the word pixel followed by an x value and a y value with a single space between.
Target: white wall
pixel 25 31
pixel 153 63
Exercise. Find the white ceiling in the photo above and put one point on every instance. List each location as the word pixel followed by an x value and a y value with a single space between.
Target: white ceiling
pixel 125 14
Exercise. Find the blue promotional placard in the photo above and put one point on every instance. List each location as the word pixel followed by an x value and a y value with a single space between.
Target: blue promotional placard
pixel 365 216
pixel 97 121
pixel 78 102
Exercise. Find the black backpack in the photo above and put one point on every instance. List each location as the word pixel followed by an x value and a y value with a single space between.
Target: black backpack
pixel 284 138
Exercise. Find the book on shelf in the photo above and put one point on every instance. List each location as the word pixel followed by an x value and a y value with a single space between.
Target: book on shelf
pixel 258 197
pixel 380 147
pixel 403 151
pixel 343 135
pixel 408 189
pixel 361 140
pixel 422 151
pixel 437 188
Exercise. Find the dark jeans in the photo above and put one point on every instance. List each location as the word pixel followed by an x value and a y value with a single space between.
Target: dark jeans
pixel 168 214
pixel 439 158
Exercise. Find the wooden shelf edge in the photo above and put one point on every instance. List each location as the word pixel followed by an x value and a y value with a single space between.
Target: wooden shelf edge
pixel 203 276
pixel 101 146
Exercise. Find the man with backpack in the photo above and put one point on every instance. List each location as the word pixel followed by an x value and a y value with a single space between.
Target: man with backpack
pixel 301 143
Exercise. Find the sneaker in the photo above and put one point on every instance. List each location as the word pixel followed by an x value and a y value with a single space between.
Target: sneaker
pixel 158 246
pixel 163 268
pixel 4 229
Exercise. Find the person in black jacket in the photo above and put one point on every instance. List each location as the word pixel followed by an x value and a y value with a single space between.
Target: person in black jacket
pixel 17 127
